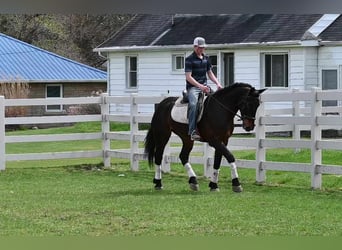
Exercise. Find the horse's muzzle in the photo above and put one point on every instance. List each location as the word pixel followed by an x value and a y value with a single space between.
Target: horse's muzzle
pixel 248 124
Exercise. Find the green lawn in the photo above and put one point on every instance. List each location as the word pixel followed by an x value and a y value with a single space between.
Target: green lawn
pixel 85 200
pixel 78 197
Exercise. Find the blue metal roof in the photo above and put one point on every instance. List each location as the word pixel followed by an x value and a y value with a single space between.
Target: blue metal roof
pixel 23 61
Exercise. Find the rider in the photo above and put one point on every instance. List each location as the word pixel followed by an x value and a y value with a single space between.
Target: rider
pixel 197 66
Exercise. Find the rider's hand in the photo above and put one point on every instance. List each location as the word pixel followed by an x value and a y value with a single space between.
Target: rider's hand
pixel 205 89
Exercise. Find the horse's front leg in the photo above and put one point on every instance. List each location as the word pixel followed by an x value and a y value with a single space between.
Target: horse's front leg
pixel 221 149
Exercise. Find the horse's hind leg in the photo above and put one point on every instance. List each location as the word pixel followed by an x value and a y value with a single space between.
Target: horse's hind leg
pixel 213 184
pixel 158 156
pixel 184 157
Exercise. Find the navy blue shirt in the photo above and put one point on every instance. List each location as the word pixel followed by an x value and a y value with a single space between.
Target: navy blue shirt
pixel 199 68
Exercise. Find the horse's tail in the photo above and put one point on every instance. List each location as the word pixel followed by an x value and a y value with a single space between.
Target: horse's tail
pixel 158 127
pixel 150 144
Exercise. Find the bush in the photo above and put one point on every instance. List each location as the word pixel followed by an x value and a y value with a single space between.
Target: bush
pixel 15 90
pixel 86 109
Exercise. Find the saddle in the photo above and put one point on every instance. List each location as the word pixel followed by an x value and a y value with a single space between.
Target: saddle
pixel 179 112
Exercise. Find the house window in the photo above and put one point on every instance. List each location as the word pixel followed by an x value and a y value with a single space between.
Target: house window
pixel 213 61
pixel 131 71
pixel 54 91
pixel 178 62
pixel 276 70
pixel 228 69
pixel 329 81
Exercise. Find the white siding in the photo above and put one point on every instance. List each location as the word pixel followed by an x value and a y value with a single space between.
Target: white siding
pixel 155 76
pixel 247 66
pixel 296 68
pixel 117 74
pixel 330 58
pixel 311 67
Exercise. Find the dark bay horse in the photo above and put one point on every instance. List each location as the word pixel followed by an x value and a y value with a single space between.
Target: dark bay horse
pixel 215 127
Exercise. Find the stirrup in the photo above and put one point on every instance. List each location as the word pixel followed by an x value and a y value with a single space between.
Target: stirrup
pixel 195 136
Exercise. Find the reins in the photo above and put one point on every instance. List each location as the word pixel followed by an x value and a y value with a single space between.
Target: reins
pixel 242 117
pixel 224 107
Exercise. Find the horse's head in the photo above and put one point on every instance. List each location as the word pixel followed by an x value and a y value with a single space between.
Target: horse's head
pixel 248 108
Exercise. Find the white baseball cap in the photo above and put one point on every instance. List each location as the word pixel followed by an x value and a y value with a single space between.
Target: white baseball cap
pixel 200 42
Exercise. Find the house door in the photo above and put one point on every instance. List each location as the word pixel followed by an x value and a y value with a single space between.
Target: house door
pixel 228 69
pixel 329 81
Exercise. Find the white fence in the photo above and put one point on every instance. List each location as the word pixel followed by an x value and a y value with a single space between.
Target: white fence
pixel 303 111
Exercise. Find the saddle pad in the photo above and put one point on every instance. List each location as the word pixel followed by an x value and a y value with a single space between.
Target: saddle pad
pixel 179 112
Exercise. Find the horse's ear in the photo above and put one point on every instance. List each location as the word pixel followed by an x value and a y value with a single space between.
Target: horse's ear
pixel 256 93
pixel 261 90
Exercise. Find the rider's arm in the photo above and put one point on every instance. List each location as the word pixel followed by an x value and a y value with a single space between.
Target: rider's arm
pixel 213 78
pixel 195 83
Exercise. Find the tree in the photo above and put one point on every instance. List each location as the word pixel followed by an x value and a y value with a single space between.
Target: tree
pixel 88 31
pixel 73 36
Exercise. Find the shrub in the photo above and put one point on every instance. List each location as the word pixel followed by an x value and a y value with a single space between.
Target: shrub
pixel 86 109
pixel 15 90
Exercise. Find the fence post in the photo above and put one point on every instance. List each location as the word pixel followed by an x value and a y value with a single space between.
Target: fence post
pixel 260 150
pixel 296 112
pixel 105 125
pixel 134 130
pixel 316 135
pixel 2 134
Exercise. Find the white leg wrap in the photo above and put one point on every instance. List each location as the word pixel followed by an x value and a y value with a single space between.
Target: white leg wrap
pixel 189 170
pixel 215 175
pixel 158 172
pixel 234 172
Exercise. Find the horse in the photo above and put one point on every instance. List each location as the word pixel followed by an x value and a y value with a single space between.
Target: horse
pixel 215 127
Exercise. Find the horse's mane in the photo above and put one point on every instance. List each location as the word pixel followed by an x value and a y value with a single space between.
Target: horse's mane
pixel 224 90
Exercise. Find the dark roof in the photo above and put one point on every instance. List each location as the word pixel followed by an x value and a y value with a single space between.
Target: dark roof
pixel 216 29
pixel 239 28
pixel 23 61
pixel 141 30
pixel 333 32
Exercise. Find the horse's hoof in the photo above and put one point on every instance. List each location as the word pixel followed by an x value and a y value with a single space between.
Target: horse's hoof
pixel 237 189
pixel 158 185
pixel 193 183
pixel 214 190
pixel 214 187
pixel 194 187
pixel 236 185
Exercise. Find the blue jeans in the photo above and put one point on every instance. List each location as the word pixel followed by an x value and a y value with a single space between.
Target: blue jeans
pixel 193 94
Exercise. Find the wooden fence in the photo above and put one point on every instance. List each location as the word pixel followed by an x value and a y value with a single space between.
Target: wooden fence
pixel 303 111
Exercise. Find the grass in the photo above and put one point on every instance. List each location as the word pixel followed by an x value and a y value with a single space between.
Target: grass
pixel 91 201
pixel 78 197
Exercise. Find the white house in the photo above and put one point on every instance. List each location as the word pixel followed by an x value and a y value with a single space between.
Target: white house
pixel 276 51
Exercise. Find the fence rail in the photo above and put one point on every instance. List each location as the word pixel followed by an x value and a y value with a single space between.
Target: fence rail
pixel 303 110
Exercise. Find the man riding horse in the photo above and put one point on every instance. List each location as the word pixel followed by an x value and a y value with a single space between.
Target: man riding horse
pixel 197 66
